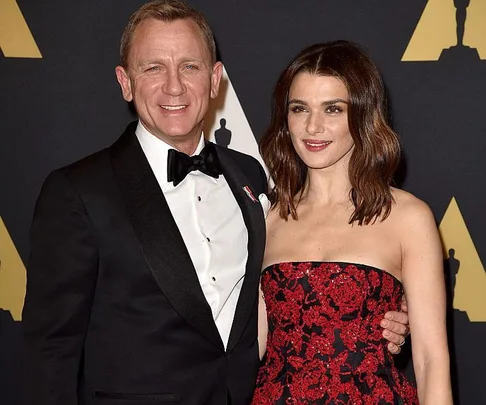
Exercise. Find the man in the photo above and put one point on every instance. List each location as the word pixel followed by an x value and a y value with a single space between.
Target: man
pixel 142 281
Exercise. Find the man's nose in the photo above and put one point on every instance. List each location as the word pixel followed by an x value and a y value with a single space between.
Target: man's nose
pixel 174 84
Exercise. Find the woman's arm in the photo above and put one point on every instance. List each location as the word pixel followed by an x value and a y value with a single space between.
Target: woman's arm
pixel 423 281
pixel 262 324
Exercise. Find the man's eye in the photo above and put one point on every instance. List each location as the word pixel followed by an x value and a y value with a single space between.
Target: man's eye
pixel 191 66
pixel 152 69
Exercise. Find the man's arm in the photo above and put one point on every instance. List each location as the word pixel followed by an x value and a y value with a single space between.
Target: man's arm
pixel 61 277
pixel 395 328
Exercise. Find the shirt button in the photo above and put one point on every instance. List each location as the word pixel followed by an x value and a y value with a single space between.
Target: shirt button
pixel 198 198
pixel 209 240
pixel 213 278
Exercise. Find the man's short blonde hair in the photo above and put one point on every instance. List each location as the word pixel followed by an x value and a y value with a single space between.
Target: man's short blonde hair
pixel 168 11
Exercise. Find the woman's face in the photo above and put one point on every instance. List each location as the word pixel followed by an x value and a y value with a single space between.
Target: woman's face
pixel 318 121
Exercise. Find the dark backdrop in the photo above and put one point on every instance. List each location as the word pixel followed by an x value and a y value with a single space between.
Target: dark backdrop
pixel 51 107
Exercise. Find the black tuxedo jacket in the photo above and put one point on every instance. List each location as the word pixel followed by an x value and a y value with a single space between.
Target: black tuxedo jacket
pixel 114 313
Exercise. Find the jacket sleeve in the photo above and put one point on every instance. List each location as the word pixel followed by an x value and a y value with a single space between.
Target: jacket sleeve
pixel 61 279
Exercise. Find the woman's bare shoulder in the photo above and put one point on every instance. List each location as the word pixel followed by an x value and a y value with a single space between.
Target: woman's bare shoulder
pixel 410 211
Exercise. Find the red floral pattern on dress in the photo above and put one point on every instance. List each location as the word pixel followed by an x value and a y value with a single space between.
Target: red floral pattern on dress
pixel 324 343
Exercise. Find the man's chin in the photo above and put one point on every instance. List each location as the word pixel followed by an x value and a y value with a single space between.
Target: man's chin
pixel 179 138
pixel 181 132
pixel 182 136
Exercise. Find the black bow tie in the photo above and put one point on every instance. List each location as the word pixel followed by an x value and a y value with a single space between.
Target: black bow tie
pixel 179 164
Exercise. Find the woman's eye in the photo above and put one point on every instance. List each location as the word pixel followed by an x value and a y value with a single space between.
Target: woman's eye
pixel 296 109
pixel 333 109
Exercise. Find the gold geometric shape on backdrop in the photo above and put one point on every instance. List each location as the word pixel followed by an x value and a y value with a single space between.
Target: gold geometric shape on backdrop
pixel 16 40
pixel 12 275
pixel 470 285
pixel 475 32
pixel 436 29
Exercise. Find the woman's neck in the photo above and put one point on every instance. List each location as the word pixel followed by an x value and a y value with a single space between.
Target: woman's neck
pixel 326 187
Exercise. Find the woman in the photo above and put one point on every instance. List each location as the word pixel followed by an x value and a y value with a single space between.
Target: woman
pixel 343 245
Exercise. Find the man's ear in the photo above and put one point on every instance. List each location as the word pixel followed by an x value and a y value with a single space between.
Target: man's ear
pixel 216 75
pixel 125 84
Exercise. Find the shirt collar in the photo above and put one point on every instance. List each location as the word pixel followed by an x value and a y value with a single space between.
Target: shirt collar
pixel 156 151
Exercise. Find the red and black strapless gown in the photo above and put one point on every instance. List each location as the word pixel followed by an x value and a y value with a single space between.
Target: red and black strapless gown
pixel 325 343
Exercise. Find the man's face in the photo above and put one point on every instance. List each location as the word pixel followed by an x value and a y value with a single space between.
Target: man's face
pixel 170 79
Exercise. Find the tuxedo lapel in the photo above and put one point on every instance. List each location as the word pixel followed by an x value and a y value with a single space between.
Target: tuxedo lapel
pixel 254 219
pixel 160 240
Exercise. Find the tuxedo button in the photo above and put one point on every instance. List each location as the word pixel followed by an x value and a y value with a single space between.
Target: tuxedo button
pixel 199 198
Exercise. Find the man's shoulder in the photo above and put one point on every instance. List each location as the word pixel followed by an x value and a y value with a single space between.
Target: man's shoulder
pixel 87 165
pixel 248 165
pixel 83 175
pixel 237 156
pixel 96 161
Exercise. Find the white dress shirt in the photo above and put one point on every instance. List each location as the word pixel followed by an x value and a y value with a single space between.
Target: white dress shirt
pixel 211 224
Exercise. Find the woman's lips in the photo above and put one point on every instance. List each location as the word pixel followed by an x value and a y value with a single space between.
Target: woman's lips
pixel 315 145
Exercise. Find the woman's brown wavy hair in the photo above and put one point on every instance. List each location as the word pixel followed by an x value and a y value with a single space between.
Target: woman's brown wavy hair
pixel 376 152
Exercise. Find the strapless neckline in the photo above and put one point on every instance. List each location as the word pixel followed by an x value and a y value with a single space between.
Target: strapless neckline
pixel 324 342
pixel 317 262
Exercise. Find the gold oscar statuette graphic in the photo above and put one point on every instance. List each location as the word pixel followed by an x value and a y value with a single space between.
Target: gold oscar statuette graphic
pixel 12 276
pixel 16 40
pixel 470 277
pixel 454 26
